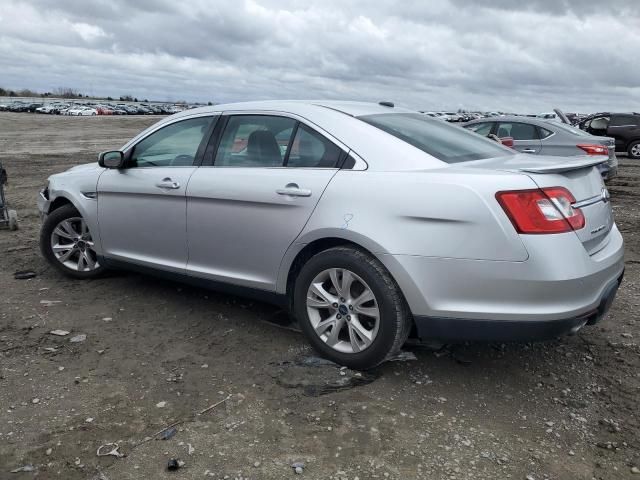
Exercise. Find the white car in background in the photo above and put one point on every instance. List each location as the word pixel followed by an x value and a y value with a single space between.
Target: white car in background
pixel 82 111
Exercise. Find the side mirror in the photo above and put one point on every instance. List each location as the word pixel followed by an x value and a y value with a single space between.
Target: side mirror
pixel 113 159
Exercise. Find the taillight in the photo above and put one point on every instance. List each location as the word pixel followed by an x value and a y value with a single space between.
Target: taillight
pixel 594 149
pixel 546 210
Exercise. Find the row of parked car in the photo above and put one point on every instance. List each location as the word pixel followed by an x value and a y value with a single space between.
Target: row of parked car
pixel 605 133
pixel 91 108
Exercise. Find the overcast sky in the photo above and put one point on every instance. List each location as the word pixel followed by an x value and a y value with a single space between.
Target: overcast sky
pixel 526 56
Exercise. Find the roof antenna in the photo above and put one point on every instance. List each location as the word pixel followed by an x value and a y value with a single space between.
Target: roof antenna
pixel 386 104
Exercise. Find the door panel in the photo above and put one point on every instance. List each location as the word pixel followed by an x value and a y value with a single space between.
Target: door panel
pixel 240 221
pixel 142 215
pixel 142 208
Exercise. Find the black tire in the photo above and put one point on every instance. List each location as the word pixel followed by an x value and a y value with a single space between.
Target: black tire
pixel 50 223
pixel 635 144
pixel 395 318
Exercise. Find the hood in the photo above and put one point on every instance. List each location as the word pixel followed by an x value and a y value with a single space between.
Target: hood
pixel 84 167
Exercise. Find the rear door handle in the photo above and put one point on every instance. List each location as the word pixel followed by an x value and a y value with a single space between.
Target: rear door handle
pixel 528 150
pixel 168 183
pixel 292 190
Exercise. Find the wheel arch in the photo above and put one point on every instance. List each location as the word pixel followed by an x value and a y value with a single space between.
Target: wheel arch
pixel 299 253
pixel 59 202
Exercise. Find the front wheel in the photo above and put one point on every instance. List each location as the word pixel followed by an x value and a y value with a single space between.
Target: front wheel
pixel 634 149
pixel 350 308
pixel 66 242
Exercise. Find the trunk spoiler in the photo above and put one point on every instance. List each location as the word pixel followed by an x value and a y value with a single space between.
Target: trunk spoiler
pixel 566 166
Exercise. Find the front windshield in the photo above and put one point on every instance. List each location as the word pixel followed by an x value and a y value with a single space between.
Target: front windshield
pixel 448 143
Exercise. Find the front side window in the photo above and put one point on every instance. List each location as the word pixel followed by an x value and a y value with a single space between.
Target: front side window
pixel 254 141
pixel 175 145
pixel 312 150
pixel 447 143
pixel 517 131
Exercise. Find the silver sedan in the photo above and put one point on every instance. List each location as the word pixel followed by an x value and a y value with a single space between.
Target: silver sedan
pixel 368 222
pixel 543 137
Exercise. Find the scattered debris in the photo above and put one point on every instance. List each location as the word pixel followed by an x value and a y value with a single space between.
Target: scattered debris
pixel 25 468
pixel 49 303
pixel 211 407
pixel 60 333
pixel 403 356
pixel 24 274
pixel 35 401
pixel 256 464
pixel 174 464
pixel 161 404
pixel 107 319
pixel 190 449
pixel 168 433
pixel 78 338
pixel 113 452
pixel 298 467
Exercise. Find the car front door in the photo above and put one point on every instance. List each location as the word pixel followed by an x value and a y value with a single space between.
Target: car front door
pixel 525 136
pixel 263 176
pixel 142 207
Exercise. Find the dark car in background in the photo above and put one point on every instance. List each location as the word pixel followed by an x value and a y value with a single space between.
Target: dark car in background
pixel 541 137
pixel 623 127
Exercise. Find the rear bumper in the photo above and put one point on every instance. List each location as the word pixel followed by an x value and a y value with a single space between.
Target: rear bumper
pixel 465 329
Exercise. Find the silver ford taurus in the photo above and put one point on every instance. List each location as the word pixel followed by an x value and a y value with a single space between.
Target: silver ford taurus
pixel 369 222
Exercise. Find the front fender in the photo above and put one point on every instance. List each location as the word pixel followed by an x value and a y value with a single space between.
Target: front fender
pixel 80 189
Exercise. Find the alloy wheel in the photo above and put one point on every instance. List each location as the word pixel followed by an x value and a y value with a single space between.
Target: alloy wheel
pixel 72 245
pixel 343 310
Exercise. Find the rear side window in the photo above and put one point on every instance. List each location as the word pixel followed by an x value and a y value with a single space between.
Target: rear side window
pixel 448 143
pixel 544 133
pixel 517 131
pixel 254 141
pixel 624 120
pixel 311 150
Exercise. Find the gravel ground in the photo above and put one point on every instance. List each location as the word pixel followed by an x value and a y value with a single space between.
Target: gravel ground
pixel 158 353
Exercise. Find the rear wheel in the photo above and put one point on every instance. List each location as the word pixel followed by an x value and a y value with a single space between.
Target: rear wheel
pixel 66 242
pixel 350 309
pixel 634 149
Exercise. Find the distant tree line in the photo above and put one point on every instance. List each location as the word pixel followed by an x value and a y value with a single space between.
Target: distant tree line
pixel 62 92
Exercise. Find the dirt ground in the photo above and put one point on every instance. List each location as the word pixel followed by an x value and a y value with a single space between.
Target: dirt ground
pixel 157 353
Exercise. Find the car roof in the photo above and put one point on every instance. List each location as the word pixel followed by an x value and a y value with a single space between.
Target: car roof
pixel 302 107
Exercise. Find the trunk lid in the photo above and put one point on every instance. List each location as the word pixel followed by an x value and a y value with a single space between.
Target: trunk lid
pixel 580 176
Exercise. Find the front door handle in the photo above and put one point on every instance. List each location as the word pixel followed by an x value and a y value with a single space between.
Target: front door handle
pixel 528 150
pixel 168 183
pixel 293 190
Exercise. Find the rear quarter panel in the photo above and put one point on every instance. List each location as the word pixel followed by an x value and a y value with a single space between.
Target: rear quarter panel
pixel 449 212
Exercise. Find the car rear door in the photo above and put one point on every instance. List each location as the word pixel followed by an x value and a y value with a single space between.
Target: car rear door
pixel 525 136
pixel 142 207
pixel 263 175
pixel 623 128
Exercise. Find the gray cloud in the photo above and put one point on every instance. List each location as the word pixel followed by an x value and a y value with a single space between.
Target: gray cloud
pixel 500 54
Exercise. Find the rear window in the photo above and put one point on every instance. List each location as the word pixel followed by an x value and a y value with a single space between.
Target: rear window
pixel 448 143
pixel 572 129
